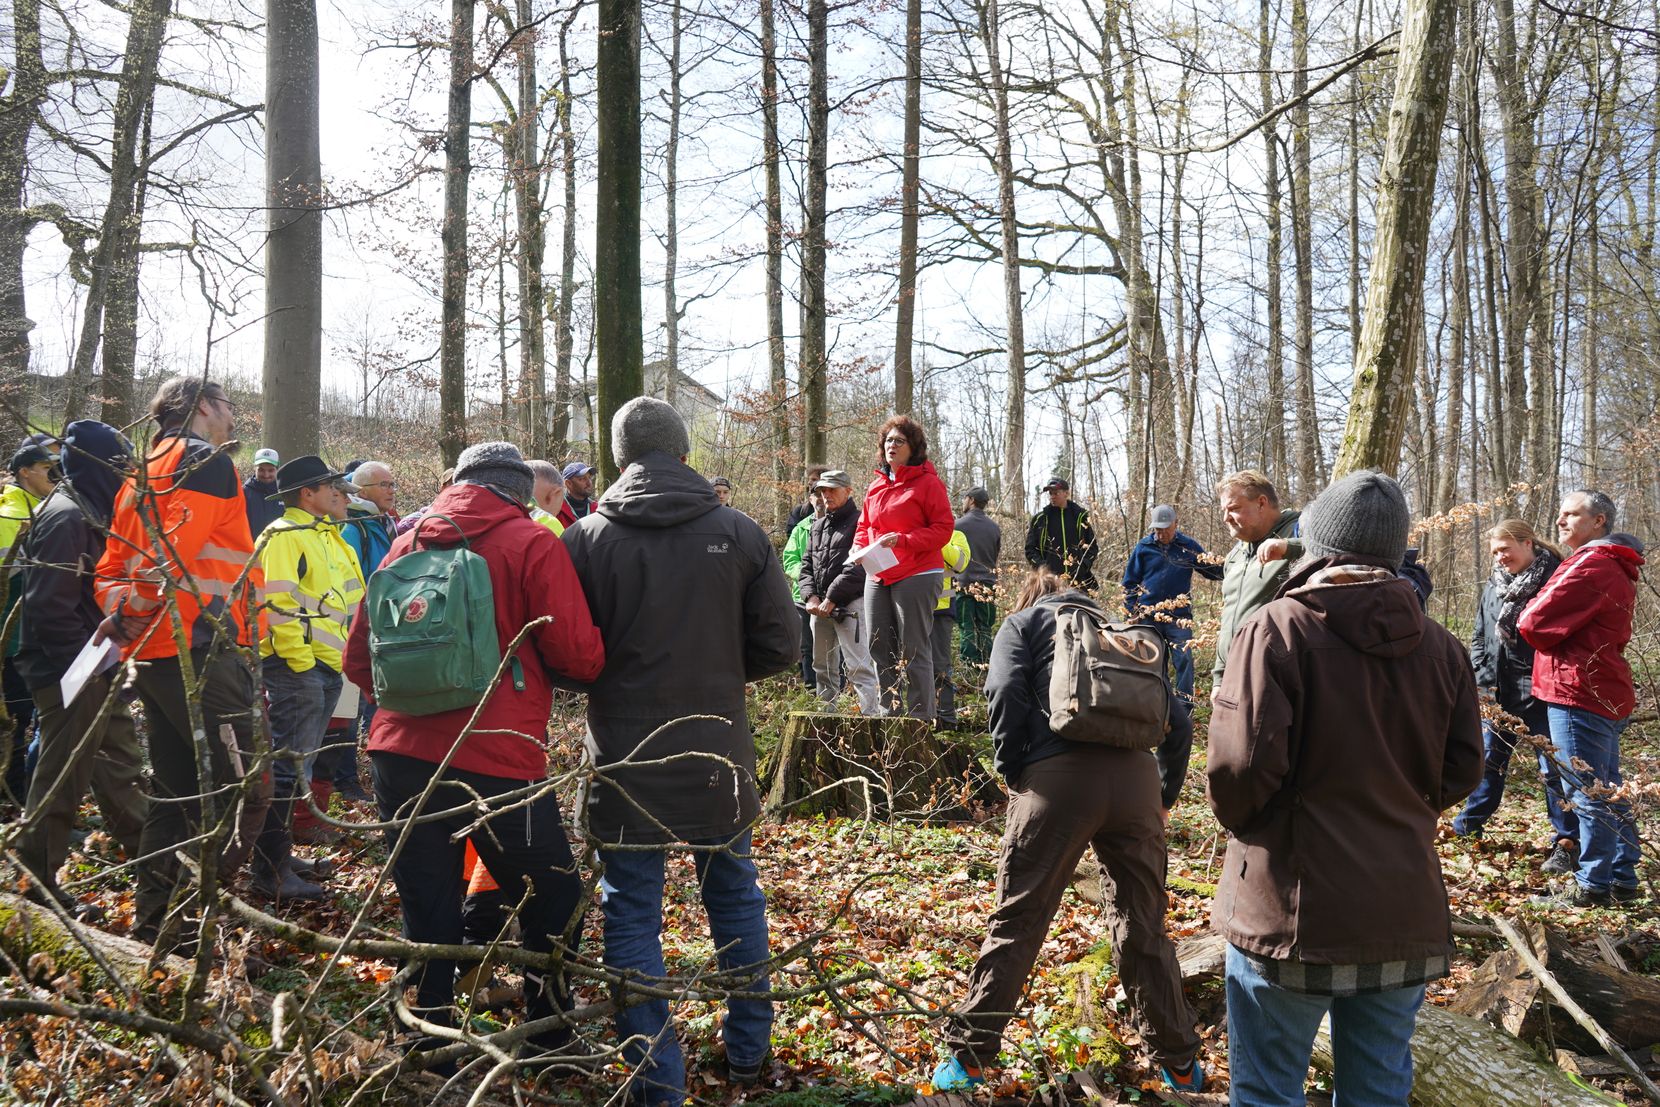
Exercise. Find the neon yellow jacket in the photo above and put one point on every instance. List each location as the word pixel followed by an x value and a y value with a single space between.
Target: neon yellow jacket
pixel 547 519
pixel 17 505
pixel 313 586
pixel 955 556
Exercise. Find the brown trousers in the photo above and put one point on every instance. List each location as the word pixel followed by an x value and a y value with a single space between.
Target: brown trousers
pixel 1089 795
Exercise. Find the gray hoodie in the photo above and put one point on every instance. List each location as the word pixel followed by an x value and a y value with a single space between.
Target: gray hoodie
pixel 692 604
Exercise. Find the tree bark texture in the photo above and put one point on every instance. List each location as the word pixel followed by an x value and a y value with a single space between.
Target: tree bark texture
pixel 1309 461
pixel 813 364
pixel 1394 319
pixel 121 302
pixel 1014 442
pixel 617 226
pixel 904 381
pixel 532 240
pixel 564 327
pixel 671 234
pixel 292 376
pixel 18 111
pixel 1274 354
pixel 784 462
pixel 146 30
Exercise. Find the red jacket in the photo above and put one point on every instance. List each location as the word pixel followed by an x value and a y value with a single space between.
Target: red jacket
pixel 914 504
pixel 1579 623
pixel 530 575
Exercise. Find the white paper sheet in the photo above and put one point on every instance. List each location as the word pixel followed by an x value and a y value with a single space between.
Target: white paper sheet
pixel 875 559
pixel 95 657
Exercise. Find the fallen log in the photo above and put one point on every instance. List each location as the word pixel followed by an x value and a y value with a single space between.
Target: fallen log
pixel 872 767
pixel 1506 993
pixel 1464 1062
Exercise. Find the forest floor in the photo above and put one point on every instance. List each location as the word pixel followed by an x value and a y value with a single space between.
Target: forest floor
pixel 905 905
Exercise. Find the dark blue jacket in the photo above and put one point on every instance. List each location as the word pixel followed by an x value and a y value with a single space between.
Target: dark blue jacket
pixel 1155 573
pixel 262 510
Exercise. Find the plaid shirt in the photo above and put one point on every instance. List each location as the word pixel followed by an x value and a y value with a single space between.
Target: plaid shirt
pixel 1347 980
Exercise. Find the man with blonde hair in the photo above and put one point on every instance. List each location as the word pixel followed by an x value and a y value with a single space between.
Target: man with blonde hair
pixel 1252 513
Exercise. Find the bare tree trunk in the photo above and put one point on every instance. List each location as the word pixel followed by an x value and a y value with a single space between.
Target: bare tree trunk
pixel 617 228
pixel 910 187
pixel 1389 338
pixel 527 195
pixel 814 367
pixel 18 110
pixel 1354 191
pixel 1275 353
pixel 121 309
pixel 671 239
pixel 783 462
pixel 145 33
pixel 293 370
pixel 1014 445
pixel 1446 484
pixel 1498 438
pixel 1309 462
pixel 458 167
pixel 564 327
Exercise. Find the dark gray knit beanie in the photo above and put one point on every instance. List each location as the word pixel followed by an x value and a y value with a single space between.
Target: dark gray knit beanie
pixel 644 424
pixel 1364 513
pixel 498 464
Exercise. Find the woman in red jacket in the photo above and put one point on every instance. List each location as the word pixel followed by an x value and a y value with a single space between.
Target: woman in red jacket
pixel 907 510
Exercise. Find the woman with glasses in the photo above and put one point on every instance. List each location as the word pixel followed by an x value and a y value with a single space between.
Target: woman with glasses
pixel 907 512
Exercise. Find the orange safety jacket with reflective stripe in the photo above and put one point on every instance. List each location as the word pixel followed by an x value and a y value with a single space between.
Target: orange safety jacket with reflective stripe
pixel 190 495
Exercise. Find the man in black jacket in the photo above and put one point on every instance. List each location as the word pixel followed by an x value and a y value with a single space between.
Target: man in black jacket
pixel 60 614
pixel 1060 537
pixel 833 592
pixel 692 603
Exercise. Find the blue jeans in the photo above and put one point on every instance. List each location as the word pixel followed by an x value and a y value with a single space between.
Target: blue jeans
pixel 299 708
pixel 1607 835
pixel 1271 1037
pixel 731 893
pixel 1498 746
pixel 1179 640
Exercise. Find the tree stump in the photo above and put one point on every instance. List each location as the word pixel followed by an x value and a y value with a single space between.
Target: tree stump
pixel 886 768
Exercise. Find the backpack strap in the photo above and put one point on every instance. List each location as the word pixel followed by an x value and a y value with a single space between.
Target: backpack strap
pixel 415 543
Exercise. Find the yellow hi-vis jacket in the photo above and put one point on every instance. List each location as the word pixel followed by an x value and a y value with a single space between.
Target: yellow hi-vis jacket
pixel 955 555
pixel 313 586
pixel 17 506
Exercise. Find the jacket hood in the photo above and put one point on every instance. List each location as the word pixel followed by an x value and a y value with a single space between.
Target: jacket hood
pixel 1626 549
pixel 96 459
pixel 475 508
pixel 1362 601
pixel 658 491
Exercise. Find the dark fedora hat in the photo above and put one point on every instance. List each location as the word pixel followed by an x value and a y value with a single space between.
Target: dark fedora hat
pixel 303 472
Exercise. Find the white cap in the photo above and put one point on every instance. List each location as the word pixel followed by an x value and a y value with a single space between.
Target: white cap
pixel 266 456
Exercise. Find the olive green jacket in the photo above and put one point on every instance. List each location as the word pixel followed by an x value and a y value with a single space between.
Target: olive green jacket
pixel 1248 584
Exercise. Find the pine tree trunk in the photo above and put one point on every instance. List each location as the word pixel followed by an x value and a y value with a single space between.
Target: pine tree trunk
pixel 904 384
pixel 617 228
pixel 1394 317
pixel 146 31
pixel 458 166
pixel 813 362
pixel 292 375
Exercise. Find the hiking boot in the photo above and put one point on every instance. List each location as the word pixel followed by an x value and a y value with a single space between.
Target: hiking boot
pixel 1563 859
pixel 1188 1080
pixel 291 886
pixel 319 868
pixel 1577 897
pixel 1623 895
pixel 745 1076
pixel 353 791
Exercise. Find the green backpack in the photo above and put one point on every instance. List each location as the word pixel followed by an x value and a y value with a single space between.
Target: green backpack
pixel 432 628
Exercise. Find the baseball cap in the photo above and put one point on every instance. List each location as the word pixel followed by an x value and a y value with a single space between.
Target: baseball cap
pixel 721 482
pixel 834 478
pixel 1056 482
pixel 266 456
pixel 577 469
pixel 979 495
pixel 1164 516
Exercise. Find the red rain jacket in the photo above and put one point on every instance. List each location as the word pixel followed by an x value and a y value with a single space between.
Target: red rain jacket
pixel 531 576
pixel 1579 624
pixel 913 503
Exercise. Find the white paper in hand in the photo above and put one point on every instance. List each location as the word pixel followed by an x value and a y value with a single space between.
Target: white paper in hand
pixel 95 657
pixel 874 558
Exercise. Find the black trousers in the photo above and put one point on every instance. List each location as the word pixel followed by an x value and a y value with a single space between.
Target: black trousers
pixel 21 707
pixel 175 815
pixel 524 845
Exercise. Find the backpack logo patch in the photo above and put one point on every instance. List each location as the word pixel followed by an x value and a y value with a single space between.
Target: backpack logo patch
pixel 415 610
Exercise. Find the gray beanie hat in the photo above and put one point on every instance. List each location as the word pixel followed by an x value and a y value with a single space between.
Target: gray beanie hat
pixel 1364 513
pixel 644 424
pixel 498 464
